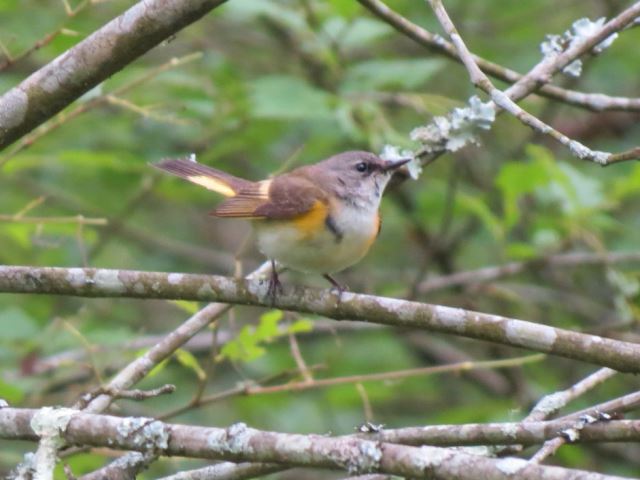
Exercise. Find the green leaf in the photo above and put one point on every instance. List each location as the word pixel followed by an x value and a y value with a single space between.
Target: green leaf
pixel 480 209
pixel 158 368
pixel 187 359
pixel 518 179
pixel 189 307
pixel 546 239
pixel 244 11
pixel 268 326
pixel 15 324
pixel 242 348
pixel 521 251
pixel 627 185
pixel 406 73
pixel 346 8
pixel 584 192
pixel 358 33
pixel 80 464
pixel 20 234
pixel 289 98
pixel 429 103
pixel 10 392
pixel 247 344
pixel 300 326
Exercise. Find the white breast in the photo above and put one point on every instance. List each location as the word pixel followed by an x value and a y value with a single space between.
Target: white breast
pixel 323 252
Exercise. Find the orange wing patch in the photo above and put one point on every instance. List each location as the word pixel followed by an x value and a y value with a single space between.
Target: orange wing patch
pixel 313 220
pixel 245 203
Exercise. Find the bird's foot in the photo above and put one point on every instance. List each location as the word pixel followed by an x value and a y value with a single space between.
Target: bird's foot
pixel 336 286
pixel 275 287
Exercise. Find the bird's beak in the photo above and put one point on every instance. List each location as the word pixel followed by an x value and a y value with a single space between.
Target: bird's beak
pixel 391 165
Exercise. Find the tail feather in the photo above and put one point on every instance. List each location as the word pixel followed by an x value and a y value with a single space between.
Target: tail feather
pixel 207 177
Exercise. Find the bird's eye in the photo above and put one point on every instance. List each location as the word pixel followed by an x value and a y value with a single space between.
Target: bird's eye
pixel 361 167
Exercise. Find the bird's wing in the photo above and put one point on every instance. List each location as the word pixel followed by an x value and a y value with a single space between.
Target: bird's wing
pixel 286 197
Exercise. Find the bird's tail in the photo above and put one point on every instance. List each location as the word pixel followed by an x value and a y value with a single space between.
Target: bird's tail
pixel 207 177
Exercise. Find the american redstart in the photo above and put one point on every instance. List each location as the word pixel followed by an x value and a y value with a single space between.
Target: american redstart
pixel 319 218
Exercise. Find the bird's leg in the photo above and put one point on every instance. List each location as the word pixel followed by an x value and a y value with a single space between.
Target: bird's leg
pixel 338 286
pixel 275 286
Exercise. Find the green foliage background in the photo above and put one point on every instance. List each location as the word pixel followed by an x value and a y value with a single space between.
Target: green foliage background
pixel 281 83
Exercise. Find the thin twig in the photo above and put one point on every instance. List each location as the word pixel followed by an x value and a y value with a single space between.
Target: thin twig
pixel 12 59
pixel 366 403
pixel 434 42
pixel 228 471
pixel 395 375
pixel 297 356
pixel 77 219
pixel 93 103
pixel 551 404
pixel 135 394
pixel 504 101
pixel 561 260
pixel 98 56
pixel 238 390
pixel 612 407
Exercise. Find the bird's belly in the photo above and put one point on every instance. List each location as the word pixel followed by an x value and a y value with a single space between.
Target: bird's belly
pixel 322 251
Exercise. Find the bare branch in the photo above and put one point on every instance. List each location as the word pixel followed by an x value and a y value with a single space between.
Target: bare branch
pixel 622 404
pixel 507 100
pixel 560 260
pixel 241 443
pixel 507 433
pixel 93 103
pixel 88 282
pixel 12 59
pixel 435 43
pixel 78 219
pixel 228 471
pixel 91 61
pixel 551 404
pixel 137 395
pixel 394 375
pixel 126 467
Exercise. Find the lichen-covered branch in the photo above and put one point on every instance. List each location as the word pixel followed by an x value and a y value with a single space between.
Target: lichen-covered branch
pixel 124 468
pixel 552 403
pixel 461 126
pixel 437 44
pixel 509 433
pixel 79 69
pixel 241 443
pixel 506 100
pixel 619 405
pixel 544 70
pixel 228 471
pixel 88 282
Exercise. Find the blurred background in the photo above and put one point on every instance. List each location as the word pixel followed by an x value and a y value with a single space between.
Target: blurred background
pixel 256 88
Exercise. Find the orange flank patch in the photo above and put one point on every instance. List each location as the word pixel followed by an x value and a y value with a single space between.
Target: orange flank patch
pixel 313 220
pixel 375 233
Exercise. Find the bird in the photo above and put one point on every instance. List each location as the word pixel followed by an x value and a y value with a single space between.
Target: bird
pixel 320 218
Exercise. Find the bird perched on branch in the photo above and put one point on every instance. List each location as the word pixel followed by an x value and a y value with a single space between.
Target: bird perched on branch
pixel 319 218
